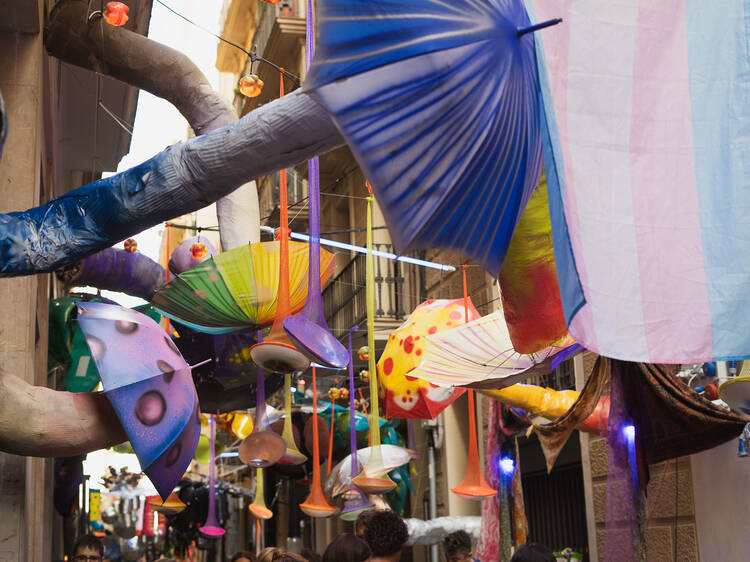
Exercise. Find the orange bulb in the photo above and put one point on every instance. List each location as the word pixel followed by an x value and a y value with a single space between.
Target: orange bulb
pixel 131 245
pixel 334 393
pixel 344 393
pixel 251 85
pixel 116 13
pixel 272 1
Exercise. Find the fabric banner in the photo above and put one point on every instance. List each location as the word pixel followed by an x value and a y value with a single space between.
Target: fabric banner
pixel 646 116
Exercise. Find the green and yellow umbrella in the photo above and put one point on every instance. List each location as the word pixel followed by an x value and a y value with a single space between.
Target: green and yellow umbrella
pixel 238 290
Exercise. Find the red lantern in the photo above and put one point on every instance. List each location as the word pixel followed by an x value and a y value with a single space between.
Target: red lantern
pixel 251 85
pixel 116 13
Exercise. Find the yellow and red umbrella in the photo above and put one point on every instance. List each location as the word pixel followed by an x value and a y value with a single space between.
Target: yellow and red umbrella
pixel 406 396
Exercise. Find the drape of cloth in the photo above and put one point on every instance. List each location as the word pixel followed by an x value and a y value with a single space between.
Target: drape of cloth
pixel 488 547
pixel 520 522
pixel 624 538
pixel 554 435
pixel 671 419
pixel 499 524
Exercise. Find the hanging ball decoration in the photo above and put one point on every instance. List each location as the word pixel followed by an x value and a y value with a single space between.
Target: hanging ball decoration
pixel 116 13
pixel 272 1
pixel 334 393
pixel 301 384
pixel 344 393
pixel 131 245
pixel 198 251
pixel 364 353
pixel 364 375
pixel 251 85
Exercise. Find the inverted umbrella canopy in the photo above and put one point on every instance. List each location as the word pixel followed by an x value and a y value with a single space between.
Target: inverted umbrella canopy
pixel 439 104
pixel 150 387
pixel 340 478
pixel 405 395
pixel 237 290
pixel 482 351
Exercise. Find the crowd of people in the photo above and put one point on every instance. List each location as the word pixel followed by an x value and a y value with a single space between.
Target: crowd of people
pixel 380 536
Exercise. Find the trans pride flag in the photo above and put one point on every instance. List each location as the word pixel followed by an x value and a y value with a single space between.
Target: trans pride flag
pixel 647 153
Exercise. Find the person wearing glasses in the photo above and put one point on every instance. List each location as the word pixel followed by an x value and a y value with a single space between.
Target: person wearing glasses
pixel 88 548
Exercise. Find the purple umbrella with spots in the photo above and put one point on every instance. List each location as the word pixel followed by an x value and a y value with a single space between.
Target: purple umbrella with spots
pixel 150 387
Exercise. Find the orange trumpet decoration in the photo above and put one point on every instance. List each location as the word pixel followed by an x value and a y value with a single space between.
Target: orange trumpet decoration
pixel 473 486
pixel 277 353
pixel 316 505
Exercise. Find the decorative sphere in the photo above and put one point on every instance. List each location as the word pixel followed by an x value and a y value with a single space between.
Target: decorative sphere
pixel 116 13
pixel 364 375
pixel 131 245
pixel 334 393
pixel 251 85
pixel 364 353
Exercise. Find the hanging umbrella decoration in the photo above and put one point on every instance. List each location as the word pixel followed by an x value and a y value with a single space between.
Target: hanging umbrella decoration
pixel 316 505
pixel 473 486
pixel 238 290
pixel 456 169
pixel 277 352
pixel 211 527
pixel 373 479
pixel 308 330
pixel 482 352
pixel 263 447
pixel 150 387
pixel 355 500
pixel 405 395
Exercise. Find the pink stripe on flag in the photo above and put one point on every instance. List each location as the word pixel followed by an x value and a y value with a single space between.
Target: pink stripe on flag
pixel 663 185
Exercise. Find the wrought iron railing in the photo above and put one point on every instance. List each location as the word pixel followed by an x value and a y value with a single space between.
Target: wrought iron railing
pixel 344 298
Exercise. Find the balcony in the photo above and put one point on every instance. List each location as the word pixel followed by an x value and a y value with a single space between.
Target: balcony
pixel 344 299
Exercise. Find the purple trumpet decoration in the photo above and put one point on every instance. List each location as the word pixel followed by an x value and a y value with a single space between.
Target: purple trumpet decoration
pixel 356 500
pixel 263 447
pixel 211 526
pixel 308 330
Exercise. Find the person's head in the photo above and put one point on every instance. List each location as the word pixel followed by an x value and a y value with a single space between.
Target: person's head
pixel 386 534
pixel 361 524
pixel 533 552
pixel 311 555
pixel 243 556
pixel 457 547
pixel 88 548
pixel 347 548
pixel 275 554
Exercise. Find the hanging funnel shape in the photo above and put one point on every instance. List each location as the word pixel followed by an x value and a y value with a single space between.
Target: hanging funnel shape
pixel 473 486
pixel 277 353
pixel 258 507
pixel 263 447
pixel 316 505
pixel 211 526
pixel 171 506
pixel 309 331
pixel 367 481
pixel 293 455
pixel 355 500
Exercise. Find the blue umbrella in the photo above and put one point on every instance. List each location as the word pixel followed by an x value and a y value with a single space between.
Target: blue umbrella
pixel 439 102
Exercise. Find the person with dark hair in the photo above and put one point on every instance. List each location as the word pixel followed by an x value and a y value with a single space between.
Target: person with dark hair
pixel 457 547
pixel 88 548
pixel 275 554
pixel 243 556
pixel 533 552
pixel 361 524
pixel 347 548
pixel 385 534
pixel 310 555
